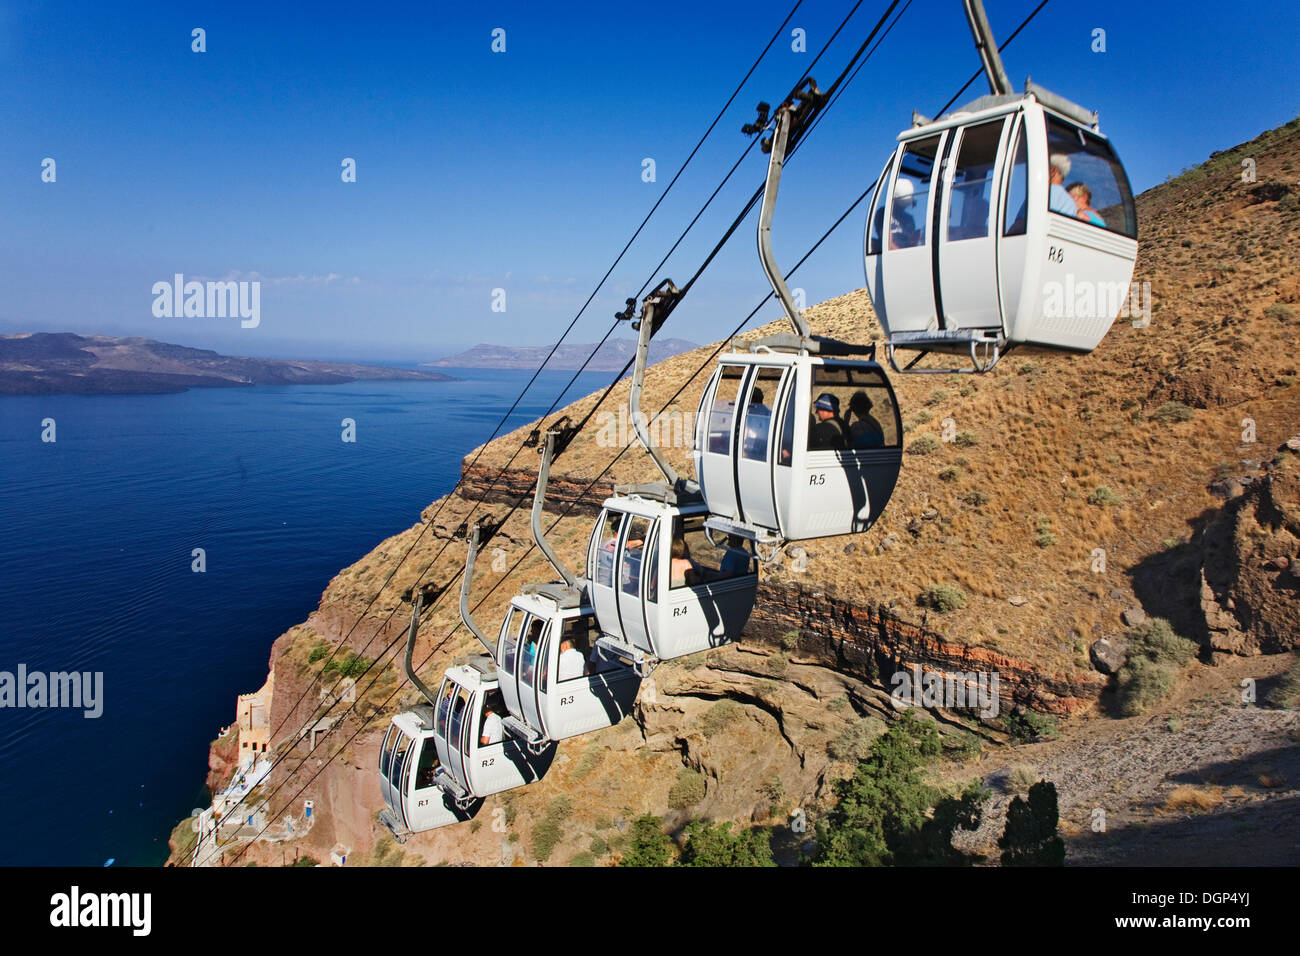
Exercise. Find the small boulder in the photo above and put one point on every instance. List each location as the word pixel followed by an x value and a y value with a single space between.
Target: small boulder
pixel 929 514
pixel 1293 444
pixel 1108 656
pixel 1017 601
pixel 1134 616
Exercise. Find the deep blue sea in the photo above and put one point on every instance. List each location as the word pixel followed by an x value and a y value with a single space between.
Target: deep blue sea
pixel 96 535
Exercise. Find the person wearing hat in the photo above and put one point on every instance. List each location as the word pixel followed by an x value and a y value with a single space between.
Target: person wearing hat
pixel 1058 198
pixel 827 431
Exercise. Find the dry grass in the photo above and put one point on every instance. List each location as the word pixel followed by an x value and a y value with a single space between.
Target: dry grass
pixel 1189 799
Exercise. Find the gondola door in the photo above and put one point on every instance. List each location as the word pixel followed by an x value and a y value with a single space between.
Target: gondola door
pixel 715 435
pixel 637 558
pixel 906 227
pixel 756 446
pixel 967 245
pixel 534 664
pixel 507 656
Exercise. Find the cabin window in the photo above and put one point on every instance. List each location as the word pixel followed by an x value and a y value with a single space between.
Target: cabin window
pixel 399 762
pixel 786 452
pixel 490 729
pixel 697 561
pixel 911 194
pixel 531 650
pixel 852 409
pixel 577 640
pixel 722 414
pixel 1016 206
pixel 458 709
pixel 1087 181
pixel 630 572
pixel 758 413
pixel 386 754
pixel 878 210
pixel 972 182
pixel 607 545
pixel 427 766
pixel 444 707
pixel 652 578
pixel 510 639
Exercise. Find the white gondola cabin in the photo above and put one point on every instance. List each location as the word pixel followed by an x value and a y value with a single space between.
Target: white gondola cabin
pixel 477 757
pixel 1008 223
pixel 552 677
pixel 408 766
pixel 659 582
pixel 797 446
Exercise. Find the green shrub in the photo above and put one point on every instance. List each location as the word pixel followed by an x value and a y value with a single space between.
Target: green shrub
pixel 714 845
pixel 923 445
pixel 598 847
pixel 549 830
pixel 937 397
pixel 1142 683
pixel 1280 311
pixel 688 790
pixel 1156 640
pixel 1044 538
pixel 545 835
pixel 321 650
pixel 855 742
pixel 306 860
pixel 583 859
pixel 950 474
pixel 888 815
pixel 966 440
pixel 942 598
pixel 1104 496
pixel 777 663
pixel 976 498
pixel 719 716
pixel 354 666
pixel 838 703
pixel 1028 725
pixel 1171 412
pixel 790 641
pixel 648 845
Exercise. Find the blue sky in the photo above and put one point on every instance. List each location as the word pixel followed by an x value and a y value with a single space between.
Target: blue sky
pixel 519 170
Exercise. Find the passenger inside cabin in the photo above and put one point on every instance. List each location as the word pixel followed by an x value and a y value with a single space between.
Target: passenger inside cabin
pixel 682 571
pixel 903 233
pixel 864 430
pixel 827 430
pixel 758 423
pixel 1058 199
pixel 737 560
pixel 492 732
pixel 530 650
pixel 572 663
pixel 1083 200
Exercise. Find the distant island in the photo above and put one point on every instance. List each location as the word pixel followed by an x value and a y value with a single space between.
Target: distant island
pixel 613 355
pixel 49 363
